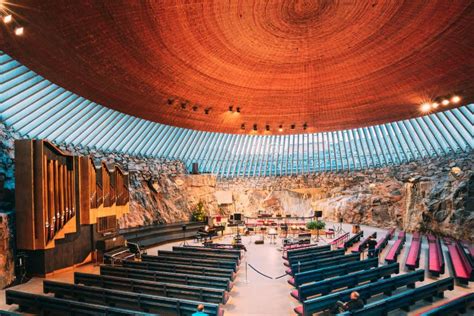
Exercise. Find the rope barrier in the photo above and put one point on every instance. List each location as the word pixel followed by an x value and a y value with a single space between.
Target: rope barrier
pixel 260 272
pixel 281 276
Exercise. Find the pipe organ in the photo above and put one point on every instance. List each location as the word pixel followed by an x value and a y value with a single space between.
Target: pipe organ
pixel 64 202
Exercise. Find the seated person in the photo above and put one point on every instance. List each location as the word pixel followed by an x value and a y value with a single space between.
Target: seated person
pixel 371 244
pixel 200 311
pixel 354 304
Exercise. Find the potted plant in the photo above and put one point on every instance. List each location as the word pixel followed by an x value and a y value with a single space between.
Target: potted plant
pixel 199 214
pixel 316 225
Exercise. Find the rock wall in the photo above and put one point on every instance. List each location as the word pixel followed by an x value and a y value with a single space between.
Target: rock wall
pixel 7 206
pixel 435 195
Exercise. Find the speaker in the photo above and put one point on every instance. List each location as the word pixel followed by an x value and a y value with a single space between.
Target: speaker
pixel 318 214
pixel 195 169
pixel 237 217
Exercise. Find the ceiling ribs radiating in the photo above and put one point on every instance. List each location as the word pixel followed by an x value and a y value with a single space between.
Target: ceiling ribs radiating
pixel 38 108
pixel 334 65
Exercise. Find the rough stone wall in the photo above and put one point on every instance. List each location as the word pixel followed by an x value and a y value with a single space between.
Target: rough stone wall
pixel 7 206
pixel 433 195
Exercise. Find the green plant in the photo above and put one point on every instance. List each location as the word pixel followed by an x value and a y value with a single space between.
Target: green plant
pixel 199 213
pixel 317 225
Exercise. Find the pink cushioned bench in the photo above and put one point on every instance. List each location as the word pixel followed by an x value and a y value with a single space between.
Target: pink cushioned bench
pixel 461 265
pixel 435 256
pixel 413 258
pixel 396 248
pixel 382 243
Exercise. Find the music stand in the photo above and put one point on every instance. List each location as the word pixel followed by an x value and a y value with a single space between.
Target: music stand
pixel 339 230
pixel 184 243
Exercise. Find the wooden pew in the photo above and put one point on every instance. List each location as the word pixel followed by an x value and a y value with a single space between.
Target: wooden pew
pixel 366 291
pixel 191 261
pixel 351 241
pixel 413 258
pixel 322 263
pixel 462 267
pixel 361 247
pixel 167 277
pixel 382 243
pixel 197 255
pixel 405 299
pixel 328 272
pixel 176 268
pixel 234 252
pixel 153 288
pixel 396 248
pixel 459 304
pixel 435 256
pixel 129 300
pixel 306 250
pixel 48 304
pixel 314 256
pixel 345 281
pixel 340 240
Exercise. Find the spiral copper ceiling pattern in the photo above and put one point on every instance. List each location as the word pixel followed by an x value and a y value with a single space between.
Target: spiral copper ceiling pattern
pixel 330 64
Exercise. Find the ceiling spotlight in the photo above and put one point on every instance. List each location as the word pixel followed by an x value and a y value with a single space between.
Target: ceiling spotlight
pixel 7 19
pixel 280 128
pixel 19 31
pixel 293 126
pixel 183 104
pixel 238 110
pixel 242 126
pixel 445 102
pixel 305 126
pixel 231 108
pixel 425 107
pixel 195 108
pixel 267 127
pixel 254 127
pixel 434 105
pixel 455 99
pixel 170 101
pixel 207 110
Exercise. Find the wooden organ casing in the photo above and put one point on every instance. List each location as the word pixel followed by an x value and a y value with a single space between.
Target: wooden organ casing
pixel 46 199
pixel 64 205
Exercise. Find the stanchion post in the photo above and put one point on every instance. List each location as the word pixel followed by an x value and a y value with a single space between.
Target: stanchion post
pixel 246 271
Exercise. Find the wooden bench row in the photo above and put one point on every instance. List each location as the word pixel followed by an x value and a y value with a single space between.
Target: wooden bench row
pixel 351 241
pixel 198 255
pixel 167 277
pixel 396 248
pixel 235 252
pixel 382 243
pixel 332 271
pixel 304 251
pixel 177 268
pixel 413 258
pixel 405 299
pixel 345 281
pixel 462 267
pixel 321 263
pixel 361 247
pixel 128 300
pixel 46 305
pixel 460 304
pixel 195 293
pixel 183 260
pixel 366 291
pixel 435 256
pixel 314 256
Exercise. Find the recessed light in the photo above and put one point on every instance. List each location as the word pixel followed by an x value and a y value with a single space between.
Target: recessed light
pixel 280 128
pixel 7 19
pixel 425 107
pixel 19 31
pixel 445 102
pixel 434 105
pixel 455 99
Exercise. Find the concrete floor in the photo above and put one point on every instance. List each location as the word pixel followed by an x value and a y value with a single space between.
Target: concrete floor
pixel 254 294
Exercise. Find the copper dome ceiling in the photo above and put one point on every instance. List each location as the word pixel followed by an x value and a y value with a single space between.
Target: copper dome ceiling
pixel 330 64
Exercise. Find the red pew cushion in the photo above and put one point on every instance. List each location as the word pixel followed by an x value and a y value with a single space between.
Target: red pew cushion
pixel 295 294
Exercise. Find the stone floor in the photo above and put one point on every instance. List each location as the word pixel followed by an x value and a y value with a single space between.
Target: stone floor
pixel 254 294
